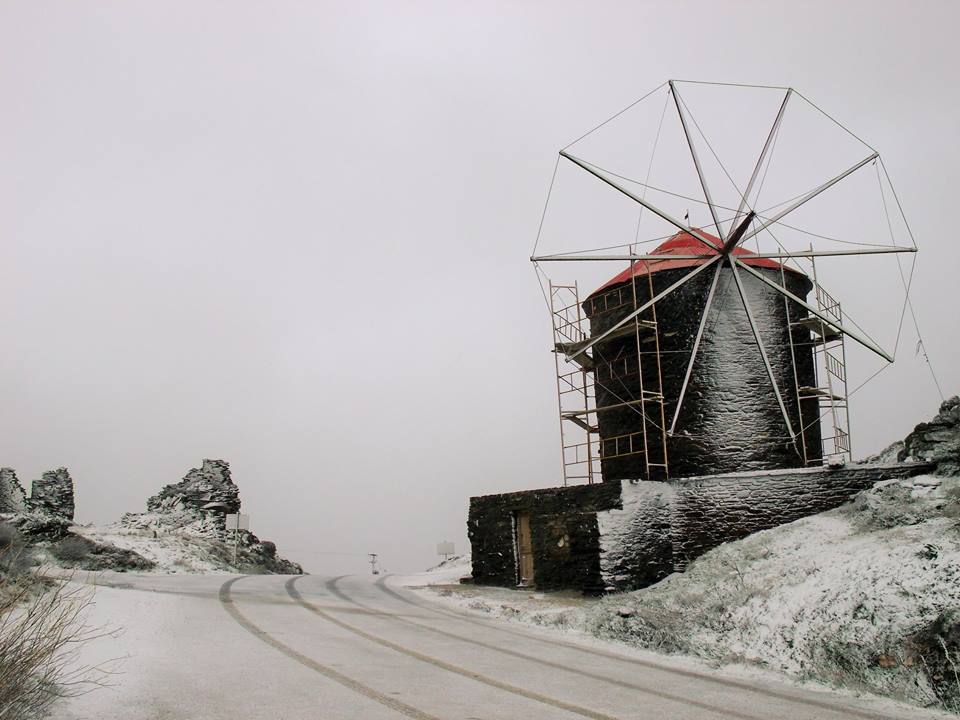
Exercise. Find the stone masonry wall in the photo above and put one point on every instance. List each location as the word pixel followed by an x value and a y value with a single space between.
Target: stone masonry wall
pixel 54 492
pixel 708 511
pixel 564 531
pixel 12 497
pixel 627 535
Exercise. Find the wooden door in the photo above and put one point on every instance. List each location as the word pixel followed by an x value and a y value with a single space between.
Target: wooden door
pixel 525 550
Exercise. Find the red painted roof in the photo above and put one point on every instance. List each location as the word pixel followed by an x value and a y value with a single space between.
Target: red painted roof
pixel 683 243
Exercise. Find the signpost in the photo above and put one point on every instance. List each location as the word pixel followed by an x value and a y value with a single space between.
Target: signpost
pixel 237 522
pixel 446 549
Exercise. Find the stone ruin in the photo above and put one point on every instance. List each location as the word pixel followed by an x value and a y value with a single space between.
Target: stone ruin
pixel 47 512
pixel 13 499
pixel 197 506
pixel 53 492
pixel 194 507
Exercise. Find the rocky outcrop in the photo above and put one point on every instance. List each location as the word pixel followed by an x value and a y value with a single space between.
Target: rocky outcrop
pixel 13 499
pixel 184 527
pixel 206 488
pixel 938 440
pixel 53 493
pixel 196 507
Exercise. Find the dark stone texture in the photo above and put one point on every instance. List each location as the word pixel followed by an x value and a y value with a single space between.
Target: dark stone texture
pixel 938 440
pixel 630 534
pixel 208 487
pixel 563 526
pixel 53 492
pixel 709 511
pixel 38 525
pixel 12 496
pixel 636 543
pixel 730 420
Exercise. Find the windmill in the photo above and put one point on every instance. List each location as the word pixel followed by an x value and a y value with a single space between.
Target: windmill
pixel 637 422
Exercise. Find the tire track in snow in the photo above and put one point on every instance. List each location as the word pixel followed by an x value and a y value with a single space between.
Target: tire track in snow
pixel 442 664
pixel 331 585
pixel 349 683
pixel 842 711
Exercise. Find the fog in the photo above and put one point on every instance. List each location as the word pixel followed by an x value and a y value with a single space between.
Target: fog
pixel 295 236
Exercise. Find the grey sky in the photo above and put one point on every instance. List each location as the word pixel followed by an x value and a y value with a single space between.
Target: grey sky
pixel 295 236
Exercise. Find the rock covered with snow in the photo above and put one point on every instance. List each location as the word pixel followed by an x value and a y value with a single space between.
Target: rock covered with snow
pixel 53 492
pixel 938 440
pixel 13 499
pixel 208 487
pixel 184 527
pixel 47 513
pixel 196 505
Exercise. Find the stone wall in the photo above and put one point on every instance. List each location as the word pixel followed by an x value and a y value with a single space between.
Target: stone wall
pixel 731 420
pixel 12 497
pixel 627 535
pixel 563 524
pixel 54 492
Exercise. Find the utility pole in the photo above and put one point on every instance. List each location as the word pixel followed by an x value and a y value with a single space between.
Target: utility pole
pixel 373 564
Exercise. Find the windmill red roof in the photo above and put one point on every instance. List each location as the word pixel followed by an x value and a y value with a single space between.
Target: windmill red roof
pixel 683 243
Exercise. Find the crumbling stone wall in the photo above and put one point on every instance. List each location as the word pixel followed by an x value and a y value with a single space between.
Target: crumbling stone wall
pixel 563 524
pixel 53 492
pixel 13 499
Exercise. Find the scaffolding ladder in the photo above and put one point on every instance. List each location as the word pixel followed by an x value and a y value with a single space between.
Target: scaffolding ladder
pixel 830 389
pixel 581 446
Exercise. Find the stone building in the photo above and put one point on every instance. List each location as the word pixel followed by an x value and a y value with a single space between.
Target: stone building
pixel 743 458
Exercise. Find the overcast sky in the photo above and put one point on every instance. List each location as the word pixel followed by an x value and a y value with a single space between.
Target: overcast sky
pixel 295 236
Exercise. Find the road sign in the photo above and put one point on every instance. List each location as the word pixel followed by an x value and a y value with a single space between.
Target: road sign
pixel 237 521
pixel 445 548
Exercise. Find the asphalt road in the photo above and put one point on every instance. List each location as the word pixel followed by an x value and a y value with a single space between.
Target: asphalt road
pixel 275 647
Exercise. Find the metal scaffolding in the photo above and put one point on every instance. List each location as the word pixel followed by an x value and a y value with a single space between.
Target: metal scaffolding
pixel 819 323
pixel 582 450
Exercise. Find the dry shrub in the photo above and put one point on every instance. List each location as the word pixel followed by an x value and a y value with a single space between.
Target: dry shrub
pixel 41 630
pixel 72 548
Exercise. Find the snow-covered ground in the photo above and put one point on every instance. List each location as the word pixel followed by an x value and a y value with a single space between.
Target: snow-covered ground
pixel 847 597
pixel 173 552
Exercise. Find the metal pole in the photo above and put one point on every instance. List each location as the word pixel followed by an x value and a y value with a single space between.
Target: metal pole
pixel 763 354
pixel 568 258
pixel 696 347
pixel 236 537
pixel 810 196
pixel 603 175
pixel 752 256
pixel 862 339
pixel 623 321
pixel 763 155
pixel 696 161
